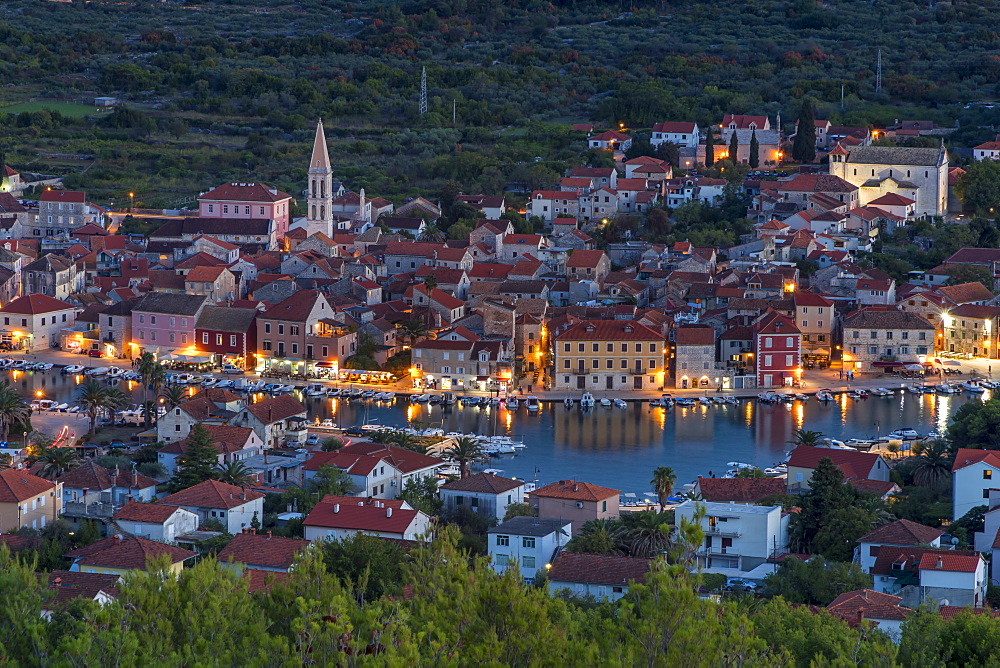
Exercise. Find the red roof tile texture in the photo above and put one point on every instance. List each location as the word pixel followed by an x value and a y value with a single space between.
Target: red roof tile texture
pixel 263 550
pixel 131 553
pixel 598 569
pixel 575 491
pixel 212 494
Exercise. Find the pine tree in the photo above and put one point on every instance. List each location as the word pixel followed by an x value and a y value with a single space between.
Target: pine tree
pixel 804 146
pixel 710 146
pixel 734 148
pixel 198 462
pixel 754 150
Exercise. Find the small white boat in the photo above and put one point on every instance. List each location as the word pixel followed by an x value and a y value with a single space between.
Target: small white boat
pixel 568 402
pixel 44 366
pixel 531 403
pixel 96 371
pixel 224 384
pixel 333 392
pixel 685 402
pixel 605 402
pixel 802 397
pixel 972 387
pixel 208 382
pixel 388 396
pixel 733 401
pixel 944 388
pixel 73 369
pixel 587 400
pixel 512 403
pixel 859 394
pixel 314 390
pixel 60 407
pixel 883 392
pixel 620 403
pixel 704 401
pixel 913 389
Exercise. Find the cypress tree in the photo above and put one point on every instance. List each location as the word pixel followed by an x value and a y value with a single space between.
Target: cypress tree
pixel 734 148
pixel 710 147
pixel 754 150
pixel 197 464
pixel 804 146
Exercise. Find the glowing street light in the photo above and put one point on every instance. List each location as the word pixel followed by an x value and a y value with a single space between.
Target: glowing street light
pixel 131 197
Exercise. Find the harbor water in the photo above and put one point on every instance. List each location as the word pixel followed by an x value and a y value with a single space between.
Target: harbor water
pixel 611 446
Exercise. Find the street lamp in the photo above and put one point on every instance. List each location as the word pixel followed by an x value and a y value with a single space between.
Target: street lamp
pixel 131 197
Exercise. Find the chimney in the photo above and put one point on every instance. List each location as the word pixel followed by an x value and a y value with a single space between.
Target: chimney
pixel 861 614
pixel 336 508
pixel 119 538
pixel 370 500
pixel 388 512
pixel 269 535
pixel 940 563
pixel 57 582
pixel 576 488
pixel 253 531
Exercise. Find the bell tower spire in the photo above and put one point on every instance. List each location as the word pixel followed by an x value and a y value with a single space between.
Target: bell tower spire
pixel 319 216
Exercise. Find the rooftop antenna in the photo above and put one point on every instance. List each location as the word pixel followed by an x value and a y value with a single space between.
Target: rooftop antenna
pixel 423 91
pixel 878 73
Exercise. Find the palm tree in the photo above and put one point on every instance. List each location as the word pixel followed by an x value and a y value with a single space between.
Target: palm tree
pixel 57 461
pixel 645 534
pixel 234 473
pixel 663 484
pixel 933 464
pixel 403 440
pixel 13 409
pixel 174 395
pixel 94 397
pixel 464 451
pixel 807 437
pixel 153 377
pixel 432 233
pixel 412 330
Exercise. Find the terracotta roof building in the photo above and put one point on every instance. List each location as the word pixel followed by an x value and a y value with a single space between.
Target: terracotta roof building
pixel 739 490
pixel 262 552
pixel 339 517
pixel 576 501
pixel 597 575
pixel 118 555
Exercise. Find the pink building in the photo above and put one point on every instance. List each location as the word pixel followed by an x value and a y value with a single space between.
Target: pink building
pixel 777 346
pixel 164 322
pixel 247 200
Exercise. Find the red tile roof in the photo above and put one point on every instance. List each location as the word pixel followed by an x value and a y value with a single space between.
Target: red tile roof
pixel 892 199
pixel 151 513
pixel 585 258
pixel 352 512
pixel 353 464
pixel 891 558
pixel 817 183
pixel 968 456
pixel 93 476
pixel 263 550
pixel 609 330
pixel 225 438
pixel 17 486
pixel 676 127
pixel 212 494
pixel 853 606
pixel 405 460
pixel 276 409
pixel 695 335
pixel 75 196
pixel 295 308
pixel 35 304
pixel 901 532
pixel 743 122
pixel 131 552
pixel 859 463
pixel 483 483
pixel 245 192
pixel 610 135
pixel 575 491
pixel 598 569
pixel 739 490
pixel 949 561
pixel 258 580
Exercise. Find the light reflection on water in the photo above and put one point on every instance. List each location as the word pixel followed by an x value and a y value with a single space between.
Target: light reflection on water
pixel 619 447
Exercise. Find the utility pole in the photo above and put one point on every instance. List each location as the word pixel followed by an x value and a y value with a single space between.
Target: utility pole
pixel 878 73
pixel 423 91
pixel 841 97
pixel 454 110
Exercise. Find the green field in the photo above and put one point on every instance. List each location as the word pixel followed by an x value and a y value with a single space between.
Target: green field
pixel 71 109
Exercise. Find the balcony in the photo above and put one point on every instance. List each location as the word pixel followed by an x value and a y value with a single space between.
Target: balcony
pixel 582 372
pixel 725 533
pixel 638 371
pixel 719 552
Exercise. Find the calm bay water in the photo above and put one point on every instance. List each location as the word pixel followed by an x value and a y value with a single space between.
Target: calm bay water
pixel 618 447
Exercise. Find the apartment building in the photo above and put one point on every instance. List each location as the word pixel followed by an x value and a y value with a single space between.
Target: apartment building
pixel 609 355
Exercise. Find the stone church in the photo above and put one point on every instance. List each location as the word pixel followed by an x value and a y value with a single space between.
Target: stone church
pixel 920 174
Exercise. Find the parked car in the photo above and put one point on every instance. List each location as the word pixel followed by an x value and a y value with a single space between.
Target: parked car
pixel 313 439
pixel 739 584
pixel 94 353
pixel 231 368
pixel 354 431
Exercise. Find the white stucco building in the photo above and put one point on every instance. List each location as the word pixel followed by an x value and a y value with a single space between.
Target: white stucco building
pixel 527 544
pixel 738 536
pixel 920 174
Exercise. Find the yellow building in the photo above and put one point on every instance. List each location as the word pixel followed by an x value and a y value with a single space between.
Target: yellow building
pixel 608 355
pixel 120 555
pixel 27 500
